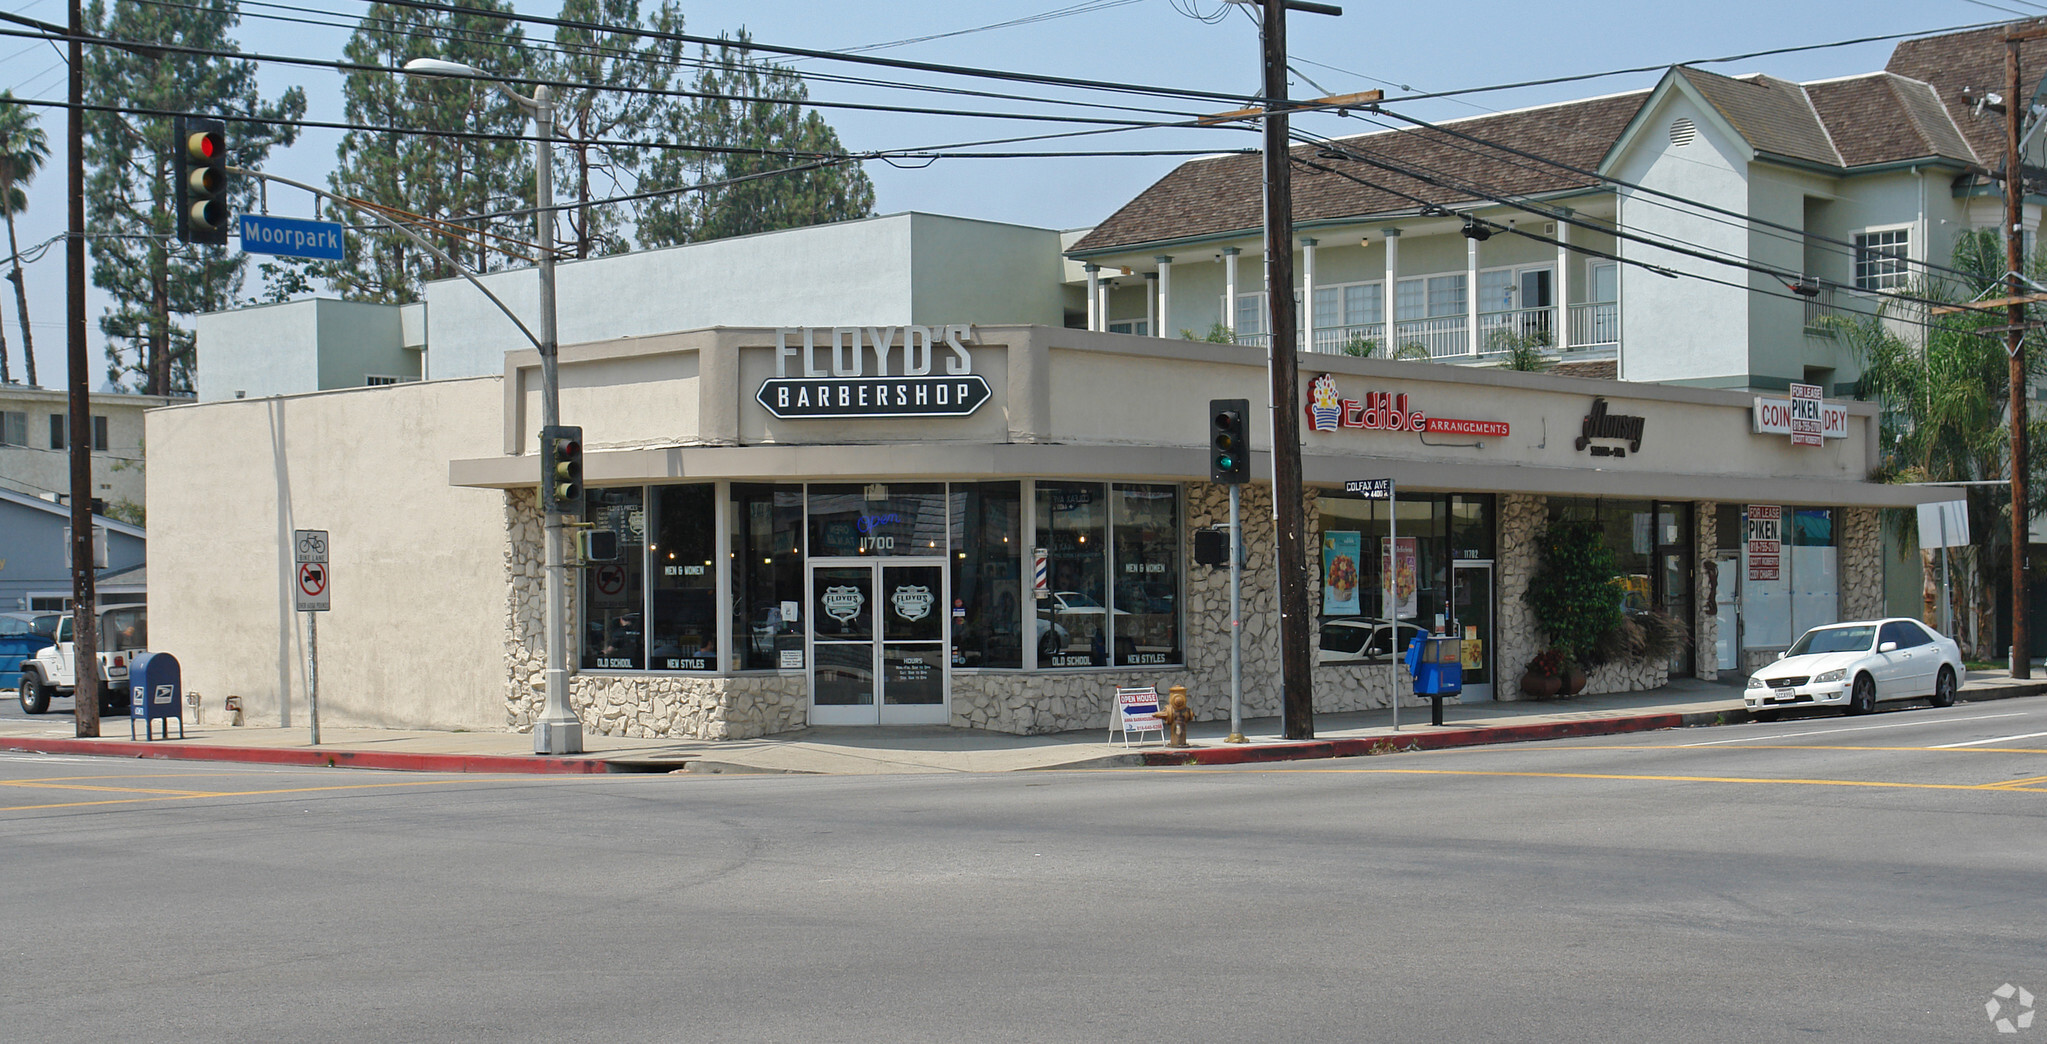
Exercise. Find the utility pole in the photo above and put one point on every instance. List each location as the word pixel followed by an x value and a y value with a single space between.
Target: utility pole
pixel 85 643
pixel 2016 105
pixel 1297 693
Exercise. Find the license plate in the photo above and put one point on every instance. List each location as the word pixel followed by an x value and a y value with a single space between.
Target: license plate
pixel 1784 695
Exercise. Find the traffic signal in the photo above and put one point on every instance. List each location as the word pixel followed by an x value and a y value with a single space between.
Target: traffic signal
pixel 598 545
pixel 199 168
pixel 561 470
pixel 1229 441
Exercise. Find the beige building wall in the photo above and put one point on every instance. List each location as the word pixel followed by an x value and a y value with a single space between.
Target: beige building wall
pixel 414 638
pixel 36 469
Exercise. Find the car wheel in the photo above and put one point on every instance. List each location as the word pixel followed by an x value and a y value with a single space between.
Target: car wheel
pixel 35 698
pixel 1944 688
pixel 1863 699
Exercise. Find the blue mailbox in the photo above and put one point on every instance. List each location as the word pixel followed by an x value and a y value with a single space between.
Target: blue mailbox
pixel 1437 663
pixel 155 693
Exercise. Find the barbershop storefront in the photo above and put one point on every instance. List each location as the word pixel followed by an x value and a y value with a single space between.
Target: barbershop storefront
pixel 986 527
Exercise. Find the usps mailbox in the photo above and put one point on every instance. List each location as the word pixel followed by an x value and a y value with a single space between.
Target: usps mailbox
pixel 155 693
pixel 1437 663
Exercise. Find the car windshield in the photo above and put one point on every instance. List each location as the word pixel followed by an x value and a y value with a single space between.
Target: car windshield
pixel 1076 600
pixel 1834 640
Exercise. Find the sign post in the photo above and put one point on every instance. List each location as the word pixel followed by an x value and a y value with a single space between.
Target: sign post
pixel 1382 489
pixel 310 589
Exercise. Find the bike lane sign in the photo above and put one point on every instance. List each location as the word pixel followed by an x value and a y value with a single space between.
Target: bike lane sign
pixel 311 580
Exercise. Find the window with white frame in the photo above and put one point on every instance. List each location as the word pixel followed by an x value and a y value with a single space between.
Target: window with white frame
pixel 1349 304
pixel 1131 326
pixel 1429 296
pixel 1880 258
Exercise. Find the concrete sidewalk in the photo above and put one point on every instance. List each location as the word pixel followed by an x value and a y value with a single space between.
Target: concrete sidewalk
pixel 854 751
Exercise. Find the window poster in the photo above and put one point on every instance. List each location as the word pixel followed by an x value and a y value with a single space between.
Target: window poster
pixel 1402 563
pixel 1340 550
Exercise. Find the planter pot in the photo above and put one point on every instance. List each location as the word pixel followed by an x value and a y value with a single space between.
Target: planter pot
pixel 1541 686
pixel 1573 682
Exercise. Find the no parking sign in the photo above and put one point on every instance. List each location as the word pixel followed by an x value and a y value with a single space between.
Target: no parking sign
pixel 311 579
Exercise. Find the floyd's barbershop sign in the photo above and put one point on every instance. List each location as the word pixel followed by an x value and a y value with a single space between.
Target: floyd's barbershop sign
pixel 873 371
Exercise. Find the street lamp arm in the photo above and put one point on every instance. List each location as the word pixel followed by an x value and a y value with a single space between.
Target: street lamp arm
pixel 458 266
pixel 458 70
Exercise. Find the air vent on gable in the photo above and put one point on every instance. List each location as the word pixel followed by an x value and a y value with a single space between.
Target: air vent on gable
pixel 1682 131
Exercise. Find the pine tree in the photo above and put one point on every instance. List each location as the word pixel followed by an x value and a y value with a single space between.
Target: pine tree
pixel 461 181
pixel 585 115
pixel 151 277
pixel 761 107
pixel 23 148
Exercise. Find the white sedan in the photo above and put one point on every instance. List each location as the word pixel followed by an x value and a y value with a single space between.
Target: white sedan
pixel 1854 665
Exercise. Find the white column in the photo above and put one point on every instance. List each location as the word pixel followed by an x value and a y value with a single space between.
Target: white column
pixel 1151 305
pixel 1307 312
pixel 1094 295
pixel 1105 286
pixel 1230 287
pixel 1471 296
pixel 1392 237
pixel 1563 282
pixel 1165 294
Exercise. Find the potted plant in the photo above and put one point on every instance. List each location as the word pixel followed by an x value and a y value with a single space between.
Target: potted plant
pixel 1545 675
pixel 1572 678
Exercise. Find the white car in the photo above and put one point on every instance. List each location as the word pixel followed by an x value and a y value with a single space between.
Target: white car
pixel 1855 665
pixel 1347 640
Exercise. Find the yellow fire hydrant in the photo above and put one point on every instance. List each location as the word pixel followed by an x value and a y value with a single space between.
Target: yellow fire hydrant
pixel 1176 716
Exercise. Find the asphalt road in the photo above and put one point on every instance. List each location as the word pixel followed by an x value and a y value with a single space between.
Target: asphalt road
pixel 1865 879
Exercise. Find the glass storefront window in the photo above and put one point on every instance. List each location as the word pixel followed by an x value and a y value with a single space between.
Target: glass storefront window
pixel 877 518
pixel 614 593
pixel 767 577
pixel 1073 615
pixel 1145 521
pixel 987 574
pixel 684 579
pixel 1358 548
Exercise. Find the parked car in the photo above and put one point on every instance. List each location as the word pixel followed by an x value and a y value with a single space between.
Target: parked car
pixel 1348 640
pixel 52 671
pixel 1856 665
pixel 22 635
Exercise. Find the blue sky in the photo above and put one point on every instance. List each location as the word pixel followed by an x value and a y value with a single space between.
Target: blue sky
pixel 1401 48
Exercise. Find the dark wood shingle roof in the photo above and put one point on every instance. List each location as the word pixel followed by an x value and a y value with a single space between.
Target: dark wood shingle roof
pixel 1976 60
pixel 1212 196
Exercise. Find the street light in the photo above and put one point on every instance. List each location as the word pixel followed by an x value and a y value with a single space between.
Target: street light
pixel 558 731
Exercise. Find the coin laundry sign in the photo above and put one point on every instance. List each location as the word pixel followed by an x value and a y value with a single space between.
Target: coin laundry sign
pixel 845 372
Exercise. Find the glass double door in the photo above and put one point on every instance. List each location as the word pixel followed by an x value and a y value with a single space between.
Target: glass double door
pixel 878 642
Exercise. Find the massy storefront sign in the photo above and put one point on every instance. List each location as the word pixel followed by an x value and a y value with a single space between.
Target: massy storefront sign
pixel 873 371
pixel 1328 410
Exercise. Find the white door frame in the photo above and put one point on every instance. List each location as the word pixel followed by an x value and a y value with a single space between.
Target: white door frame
pixel 877 711
pixel 1482 692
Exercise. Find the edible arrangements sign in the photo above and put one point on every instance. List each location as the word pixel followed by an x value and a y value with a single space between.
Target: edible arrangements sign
pixel 873 371
pixel 1328 410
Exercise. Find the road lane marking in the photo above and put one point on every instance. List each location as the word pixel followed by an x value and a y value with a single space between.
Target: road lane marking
pixel 1993 739
pixel 2022 785
pixel 161 795
pixel 1856 728
pixel 2015 784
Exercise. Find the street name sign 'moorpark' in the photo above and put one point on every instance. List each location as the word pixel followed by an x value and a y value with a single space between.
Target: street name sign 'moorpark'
pixel 291 237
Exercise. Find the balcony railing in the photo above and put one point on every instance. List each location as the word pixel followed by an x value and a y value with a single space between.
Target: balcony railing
pixel 1595 325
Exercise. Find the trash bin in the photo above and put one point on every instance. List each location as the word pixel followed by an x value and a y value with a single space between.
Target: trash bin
pixel 155 693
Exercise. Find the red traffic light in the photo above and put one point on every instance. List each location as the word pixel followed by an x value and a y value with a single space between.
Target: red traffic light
pixel 203 145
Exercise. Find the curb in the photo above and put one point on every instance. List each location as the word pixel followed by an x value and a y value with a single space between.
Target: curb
pixel 309 757
pixel 1451 737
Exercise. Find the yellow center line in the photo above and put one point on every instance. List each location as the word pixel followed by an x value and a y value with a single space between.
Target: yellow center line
pixel 162 795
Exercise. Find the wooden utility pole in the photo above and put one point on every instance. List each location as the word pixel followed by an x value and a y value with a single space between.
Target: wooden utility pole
pixel 85 644
pixel 2016 105
pixel 1296 674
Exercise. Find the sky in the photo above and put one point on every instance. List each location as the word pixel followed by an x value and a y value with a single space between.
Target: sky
pixel 1206 45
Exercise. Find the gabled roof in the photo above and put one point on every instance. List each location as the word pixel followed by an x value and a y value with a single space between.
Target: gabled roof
pixel 1774 116
pixel 1887 118
pixel 1208 197
pixel 1970 60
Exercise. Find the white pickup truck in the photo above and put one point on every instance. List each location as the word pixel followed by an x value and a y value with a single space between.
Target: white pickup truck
pixel 123 635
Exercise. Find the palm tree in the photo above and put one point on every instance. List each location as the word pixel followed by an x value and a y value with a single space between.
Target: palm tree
pixel 1946 397
pixel 23 147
